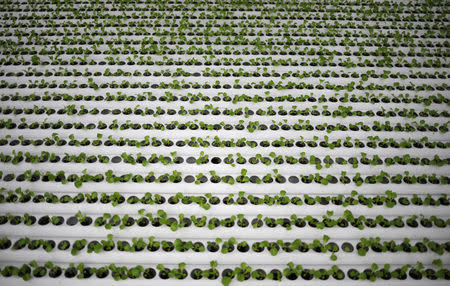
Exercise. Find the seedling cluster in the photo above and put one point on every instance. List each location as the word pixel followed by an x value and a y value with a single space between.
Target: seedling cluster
pixel 218 135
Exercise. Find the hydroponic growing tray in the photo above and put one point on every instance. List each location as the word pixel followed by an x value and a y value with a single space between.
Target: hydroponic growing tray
pixel 218 142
